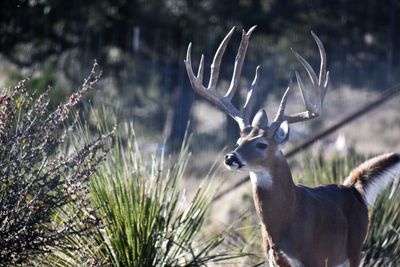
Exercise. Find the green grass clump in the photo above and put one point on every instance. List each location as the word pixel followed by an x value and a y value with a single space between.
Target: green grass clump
pixel 146 218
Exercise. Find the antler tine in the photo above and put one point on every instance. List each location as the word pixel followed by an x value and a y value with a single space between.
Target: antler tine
pixel 217 59
pixel 189 69
pixel 240 56
pixel 322 69
pixel 210 93
pixel 305 96
pixel 320 85
pixel 323 73
pixel 314 81
pixel 307 66
pixel 200 71
pixel 249 104
pixel 195 81
pixel 281 110
pixel 325 88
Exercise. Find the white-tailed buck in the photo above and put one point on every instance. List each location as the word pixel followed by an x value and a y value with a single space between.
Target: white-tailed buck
pixel 301 226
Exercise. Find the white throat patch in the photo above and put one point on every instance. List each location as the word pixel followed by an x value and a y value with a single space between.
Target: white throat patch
pixel 262 179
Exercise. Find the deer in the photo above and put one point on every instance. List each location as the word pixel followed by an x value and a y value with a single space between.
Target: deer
pixel 300 226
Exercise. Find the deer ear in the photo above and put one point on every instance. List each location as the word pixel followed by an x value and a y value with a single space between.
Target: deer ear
pixel 281 135
pixel 260 120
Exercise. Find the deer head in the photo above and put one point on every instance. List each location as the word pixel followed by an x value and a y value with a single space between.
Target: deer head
pixel 260 141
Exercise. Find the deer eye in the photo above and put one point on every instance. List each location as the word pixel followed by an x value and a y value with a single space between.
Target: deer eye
pixel 261 145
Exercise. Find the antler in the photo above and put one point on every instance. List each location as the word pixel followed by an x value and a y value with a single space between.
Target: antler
pixel 319 84
pixel 313 106
pixel 211 94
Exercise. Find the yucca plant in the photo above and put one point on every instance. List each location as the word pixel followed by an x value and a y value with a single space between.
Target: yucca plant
pixel 382 247
pixel 146 218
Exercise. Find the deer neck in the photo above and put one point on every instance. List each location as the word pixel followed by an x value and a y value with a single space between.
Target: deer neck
pixel 274 197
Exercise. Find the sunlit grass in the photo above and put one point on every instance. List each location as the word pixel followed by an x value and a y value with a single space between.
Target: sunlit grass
pixel 146 218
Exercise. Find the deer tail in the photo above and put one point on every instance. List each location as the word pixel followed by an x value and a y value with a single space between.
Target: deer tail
pixel 374 175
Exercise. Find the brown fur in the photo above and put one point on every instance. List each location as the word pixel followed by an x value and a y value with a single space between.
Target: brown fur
pixel 297 222
pixel 319 227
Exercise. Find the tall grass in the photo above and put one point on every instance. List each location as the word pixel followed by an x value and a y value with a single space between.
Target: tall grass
pixel 146 218
pixel 382 247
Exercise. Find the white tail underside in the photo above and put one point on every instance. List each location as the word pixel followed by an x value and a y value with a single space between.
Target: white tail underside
pixel 379 184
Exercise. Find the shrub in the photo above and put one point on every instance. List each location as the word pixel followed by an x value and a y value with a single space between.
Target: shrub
pixel 39 177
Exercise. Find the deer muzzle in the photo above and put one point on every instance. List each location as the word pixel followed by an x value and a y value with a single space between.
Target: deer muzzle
pixel 232 162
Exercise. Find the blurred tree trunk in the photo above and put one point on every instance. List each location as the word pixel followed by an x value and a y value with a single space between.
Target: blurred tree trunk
pixel 178 113
pixel 232 128
pixel 391 42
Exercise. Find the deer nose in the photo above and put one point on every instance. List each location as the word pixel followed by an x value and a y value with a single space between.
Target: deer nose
pixel 231 160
